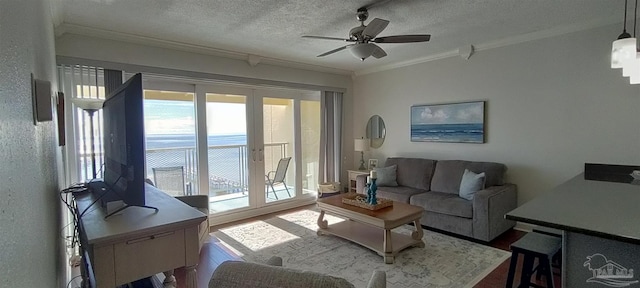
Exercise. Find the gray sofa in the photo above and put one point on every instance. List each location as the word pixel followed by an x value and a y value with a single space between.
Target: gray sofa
pixel 236 274
pixel 434 186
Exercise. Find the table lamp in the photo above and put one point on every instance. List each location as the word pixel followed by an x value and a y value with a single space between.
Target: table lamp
pixel 361 145
pixel 90 105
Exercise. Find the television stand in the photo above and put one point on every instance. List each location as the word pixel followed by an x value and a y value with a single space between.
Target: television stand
pixel 126 248
pixel 127 206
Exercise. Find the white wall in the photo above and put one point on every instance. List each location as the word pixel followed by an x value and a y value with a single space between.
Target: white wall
pixel 100 49
pixel 81 46
pixel 29 226
pixel 552 105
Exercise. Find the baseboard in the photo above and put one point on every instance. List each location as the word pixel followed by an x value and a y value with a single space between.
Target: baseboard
pixel 215 220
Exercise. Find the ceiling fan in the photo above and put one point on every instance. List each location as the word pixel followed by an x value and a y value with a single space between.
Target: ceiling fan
pixel 364 38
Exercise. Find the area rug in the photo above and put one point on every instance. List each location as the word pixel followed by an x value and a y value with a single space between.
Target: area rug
pixel 444 262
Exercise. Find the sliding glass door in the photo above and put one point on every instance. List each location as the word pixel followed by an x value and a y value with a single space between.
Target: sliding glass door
pixel 245 148
pixel 279 143
pixel 170 134
pixel 227 153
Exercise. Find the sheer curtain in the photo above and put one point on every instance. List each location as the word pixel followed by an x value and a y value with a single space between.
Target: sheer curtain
pixel 83 82
pixel 330 136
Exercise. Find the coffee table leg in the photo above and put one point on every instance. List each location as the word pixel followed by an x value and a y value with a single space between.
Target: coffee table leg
pixel 418 233
pixel 388 247
pixel 323 224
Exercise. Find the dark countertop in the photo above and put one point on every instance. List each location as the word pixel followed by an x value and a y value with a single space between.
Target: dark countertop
pixel 603 209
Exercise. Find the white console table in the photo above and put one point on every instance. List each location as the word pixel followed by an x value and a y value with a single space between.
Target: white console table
pixel 352 178
pixel 138 242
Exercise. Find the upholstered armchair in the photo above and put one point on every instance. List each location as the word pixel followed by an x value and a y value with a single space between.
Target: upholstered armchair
pixel 237 274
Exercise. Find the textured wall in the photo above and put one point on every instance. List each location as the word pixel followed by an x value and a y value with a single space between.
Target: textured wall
pixel 29 229
pixel 552 105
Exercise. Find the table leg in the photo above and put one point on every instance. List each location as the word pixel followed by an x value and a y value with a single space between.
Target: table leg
pixel 192 279
pixel 388 247
pixel 418 233
pixel 323 224
pixel 168 277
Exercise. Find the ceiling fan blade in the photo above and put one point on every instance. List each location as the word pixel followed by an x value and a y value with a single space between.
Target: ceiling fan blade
pixel 378 52
pixel 334 51
pixel 325 38
pixel 373 4
pixel 402 39
pixel 375 27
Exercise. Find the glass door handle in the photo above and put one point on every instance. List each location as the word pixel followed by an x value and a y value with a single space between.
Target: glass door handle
pixel 253 154
pixel 261 155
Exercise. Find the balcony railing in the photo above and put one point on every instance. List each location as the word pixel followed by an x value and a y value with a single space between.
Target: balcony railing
pixel 228 165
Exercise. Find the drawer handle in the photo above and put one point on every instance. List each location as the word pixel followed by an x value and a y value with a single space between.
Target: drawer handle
pixel 151 237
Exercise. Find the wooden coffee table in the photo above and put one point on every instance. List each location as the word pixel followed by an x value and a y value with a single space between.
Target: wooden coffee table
pixel 372 229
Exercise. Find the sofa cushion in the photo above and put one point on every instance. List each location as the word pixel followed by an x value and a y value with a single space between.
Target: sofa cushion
pixel 470 184
pixel 444 203
pixel 413 172
pixel 399 193
pixel 386 175
pixel 448 174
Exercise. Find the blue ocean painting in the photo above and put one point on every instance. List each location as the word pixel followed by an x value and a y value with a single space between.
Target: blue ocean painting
pixel 460 122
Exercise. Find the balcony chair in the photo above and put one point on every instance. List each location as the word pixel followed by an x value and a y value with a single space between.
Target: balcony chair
pixel 170 180
pixel 278 176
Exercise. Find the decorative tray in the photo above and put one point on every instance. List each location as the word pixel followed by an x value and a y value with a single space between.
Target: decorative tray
pixel 360 201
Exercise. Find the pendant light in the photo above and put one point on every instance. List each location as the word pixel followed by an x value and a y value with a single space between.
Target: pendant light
pixel 623 49
pixel 631 67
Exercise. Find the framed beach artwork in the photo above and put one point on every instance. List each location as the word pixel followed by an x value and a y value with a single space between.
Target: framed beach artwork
pixel 455 122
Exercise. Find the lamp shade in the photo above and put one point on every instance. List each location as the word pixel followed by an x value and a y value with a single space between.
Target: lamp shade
pixel 622 50
pixel 88 103
pixel 361 145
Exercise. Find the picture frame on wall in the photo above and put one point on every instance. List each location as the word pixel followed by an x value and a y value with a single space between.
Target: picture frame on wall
pixel 373 163
pixel 453 122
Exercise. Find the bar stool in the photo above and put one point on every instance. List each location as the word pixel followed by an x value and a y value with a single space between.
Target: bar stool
pixel 533 245
pixel 556 261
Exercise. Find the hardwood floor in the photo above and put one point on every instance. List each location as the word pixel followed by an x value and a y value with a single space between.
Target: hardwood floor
pixel 213 253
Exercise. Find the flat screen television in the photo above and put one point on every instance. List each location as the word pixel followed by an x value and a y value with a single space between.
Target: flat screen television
pixel 124 149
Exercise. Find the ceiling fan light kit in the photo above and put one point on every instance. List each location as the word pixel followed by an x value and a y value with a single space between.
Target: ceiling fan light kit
pixel 363 37
pixel 362 51
pixel 624 50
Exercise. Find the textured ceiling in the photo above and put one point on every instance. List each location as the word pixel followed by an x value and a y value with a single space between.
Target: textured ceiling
pixel 273 28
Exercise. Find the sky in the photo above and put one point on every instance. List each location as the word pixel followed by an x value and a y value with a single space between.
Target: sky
pixel 178 117
pixel 459 113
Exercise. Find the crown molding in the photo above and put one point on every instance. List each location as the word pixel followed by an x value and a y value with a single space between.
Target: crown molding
pixel 538 35
pixel 66 28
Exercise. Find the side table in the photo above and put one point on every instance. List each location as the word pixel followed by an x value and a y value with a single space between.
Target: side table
pixel 352 178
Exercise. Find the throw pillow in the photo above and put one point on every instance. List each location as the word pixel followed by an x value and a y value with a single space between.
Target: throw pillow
pixel 470 184
pixel 386 176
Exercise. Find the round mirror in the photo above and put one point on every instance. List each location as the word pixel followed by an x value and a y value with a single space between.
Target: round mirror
pixel 376 131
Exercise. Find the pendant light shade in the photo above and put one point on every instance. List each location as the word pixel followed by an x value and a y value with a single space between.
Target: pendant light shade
pixel 631 69
pixel 622 50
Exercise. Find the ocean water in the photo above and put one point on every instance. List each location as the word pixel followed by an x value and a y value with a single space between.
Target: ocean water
pixel 155 141
pixel 228 162
pixel 467 133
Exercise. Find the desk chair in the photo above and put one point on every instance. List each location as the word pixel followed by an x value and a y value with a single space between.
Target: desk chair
pixel 278 176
